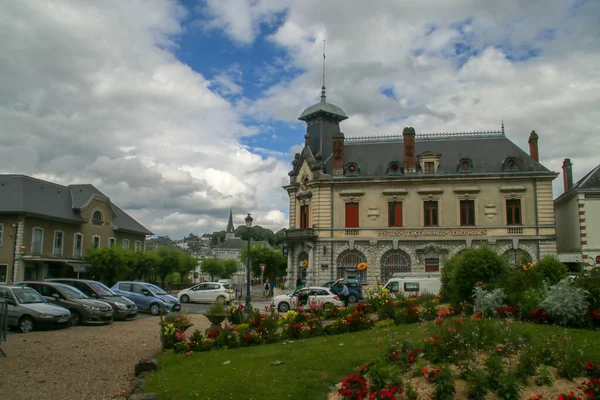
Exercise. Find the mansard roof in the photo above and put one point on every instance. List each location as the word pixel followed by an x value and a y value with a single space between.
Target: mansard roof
pixel 487 152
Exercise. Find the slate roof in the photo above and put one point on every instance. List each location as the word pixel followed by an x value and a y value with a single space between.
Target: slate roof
pixel 236 243
pixel 590 181
pixel 21 194
pixel 323 107
pixel 486 150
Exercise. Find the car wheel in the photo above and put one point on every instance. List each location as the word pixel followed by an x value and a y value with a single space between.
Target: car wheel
pixel 75 318
pixel 283 307
pixel 26 324
pixel 221 299
pixel 328 306
pixel 185 298
pixel 352 299
pixel 155 309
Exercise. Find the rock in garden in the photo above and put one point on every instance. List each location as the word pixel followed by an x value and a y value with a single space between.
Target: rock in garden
pixel 145 365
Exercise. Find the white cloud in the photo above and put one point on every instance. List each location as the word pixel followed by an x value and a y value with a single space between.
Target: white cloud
pixel 93 93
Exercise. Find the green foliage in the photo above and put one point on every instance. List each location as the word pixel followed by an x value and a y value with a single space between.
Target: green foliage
pixel 260 253
pixel 487 301
pixel 544 377
pixel 565 303
pixel 444 383
pixel 527 363
pixel 477 388
pixel 550 269
pixel 217 268
pixel 108 264
pixel 589 280
pixel 473 265
pixel 509 387
pixel 168 262
pixel 216 308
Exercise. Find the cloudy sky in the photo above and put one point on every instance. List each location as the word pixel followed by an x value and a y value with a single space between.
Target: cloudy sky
pixel 180 110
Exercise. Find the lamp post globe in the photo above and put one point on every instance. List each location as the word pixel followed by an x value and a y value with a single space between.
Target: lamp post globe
pixel 248 263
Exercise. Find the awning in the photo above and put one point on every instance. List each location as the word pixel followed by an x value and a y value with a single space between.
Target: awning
pixel 79 267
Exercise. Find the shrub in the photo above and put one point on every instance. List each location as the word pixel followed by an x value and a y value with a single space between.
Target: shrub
pixel 509 387
pixel 550 269
pixel 487 302
pixel 477 387
pixel 527 363
pixel 589 280
pixel 544 377
pixel 565 303
pixel 444 384
pixel 467 269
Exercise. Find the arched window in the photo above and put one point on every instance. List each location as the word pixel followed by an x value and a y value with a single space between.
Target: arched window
pixel 517 257
pixel 97 216
pixel 394 261
pixel 347 265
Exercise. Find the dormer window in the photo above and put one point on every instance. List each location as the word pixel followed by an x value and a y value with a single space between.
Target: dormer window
pixel 465 165
pixel 429 162
pixel 352 169
pixel 510 165
pixel 97 216
pixel 394 168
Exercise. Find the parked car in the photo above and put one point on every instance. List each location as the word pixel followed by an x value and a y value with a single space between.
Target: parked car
pixel 320 295
pixel 354 288
pixel 415 284
pixel 206 292
pixel 28 310
pixel 225 282
pixel 147 297
pixel 123 308
pixel 83 309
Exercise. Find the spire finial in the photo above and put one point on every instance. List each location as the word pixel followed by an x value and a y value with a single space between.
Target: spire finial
pixel 323 96
pixel 503 127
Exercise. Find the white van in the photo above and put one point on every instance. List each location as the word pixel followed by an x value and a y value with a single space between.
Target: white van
pixel 414 284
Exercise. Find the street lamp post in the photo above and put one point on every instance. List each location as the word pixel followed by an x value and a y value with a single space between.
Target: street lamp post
pixel 248 296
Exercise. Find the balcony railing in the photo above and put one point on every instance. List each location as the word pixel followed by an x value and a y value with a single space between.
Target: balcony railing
pixel 516 230
pixel 351 232
pixel 300 234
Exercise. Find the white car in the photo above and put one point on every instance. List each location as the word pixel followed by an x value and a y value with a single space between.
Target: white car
pixel 206 292
pixel 316 294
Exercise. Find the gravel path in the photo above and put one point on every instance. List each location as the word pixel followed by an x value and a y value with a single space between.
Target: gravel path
pixel 84 362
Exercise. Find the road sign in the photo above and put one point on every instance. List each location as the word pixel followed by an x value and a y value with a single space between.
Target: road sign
pixel 262 268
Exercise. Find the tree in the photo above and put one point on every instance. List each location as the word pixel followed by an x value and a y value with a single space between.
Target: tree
pixel 168 262
pixel 261 253
pixel 187 263
pixel 212 267
pixel 217 238
pixel 108 264
pixel 280 237
pixel 229 268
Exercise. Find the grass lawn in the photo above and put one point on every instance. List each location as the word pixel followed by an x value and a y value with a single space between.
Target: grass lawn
pixel 312 366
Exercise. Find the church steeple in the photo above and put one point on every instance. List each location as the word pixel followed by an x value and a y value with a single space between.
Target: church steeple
pixel 230 228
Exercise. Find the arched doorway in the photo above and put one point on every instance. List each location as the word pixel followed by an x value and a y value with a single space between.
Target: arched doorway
pixel 517 257
pixel 347 265
pixel 392 262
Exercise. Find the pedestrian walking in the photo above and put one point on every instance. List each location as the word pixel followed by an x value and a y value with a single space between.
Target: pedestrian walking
pixel 271 288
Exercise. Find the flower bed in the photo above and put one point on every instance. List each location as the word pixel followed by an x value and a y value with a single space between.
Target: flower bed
pixel 475 358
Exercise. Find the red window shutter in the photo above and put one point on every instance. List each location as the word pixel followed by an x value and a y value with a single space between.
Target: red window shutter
pixel 351 215
pixel 398 214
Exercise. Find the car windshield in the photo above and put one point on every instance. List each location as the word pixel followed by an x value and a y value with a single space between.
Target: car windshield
pixel 72 293
pixel 102 289
pixel 28 296
pixel 155 289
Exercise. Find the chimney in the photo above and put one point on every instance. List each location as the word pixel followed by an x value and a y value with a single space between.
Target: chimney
pixel 338 153
pixel 409 150
pixel 567 168
pixel 533 146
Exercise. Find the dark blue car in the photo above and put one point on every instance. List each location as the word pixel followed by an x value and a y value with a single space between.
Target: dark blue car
pixel 147 297
pixel 354 289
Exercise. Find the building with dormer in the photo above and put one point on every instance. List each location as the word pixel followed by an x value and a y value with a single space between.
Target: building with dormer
pixel 45 228
pixel 578 218
pixel 404 203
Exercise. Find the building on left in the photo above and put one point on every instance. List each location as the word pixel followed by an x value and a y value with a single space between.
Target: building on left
pixel 46 228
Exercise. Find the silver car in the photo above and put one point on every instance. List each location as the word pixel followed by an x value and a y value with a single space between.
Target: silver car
pixel 27 309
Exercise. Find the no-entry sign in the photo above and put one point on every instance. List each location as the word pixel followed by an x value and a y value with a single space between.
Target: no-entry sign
pixel 262 268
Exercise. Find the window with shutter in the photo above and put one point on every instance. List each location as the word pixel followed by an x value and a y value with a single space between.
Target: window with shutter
pixel 351 215
pixel 395 213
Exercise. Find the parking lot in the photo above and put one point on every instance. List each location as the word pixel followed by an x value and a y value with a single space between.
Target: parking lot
pixel 84 362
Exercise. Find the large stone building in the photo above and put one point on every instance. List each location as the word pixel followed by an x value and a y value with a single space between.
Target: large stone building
pixel 404 203
pixel 45 228
pixel 578 218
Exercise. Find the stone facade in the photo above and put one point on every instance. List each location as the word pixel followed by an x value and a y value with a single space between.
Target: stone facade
pixel 406 203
